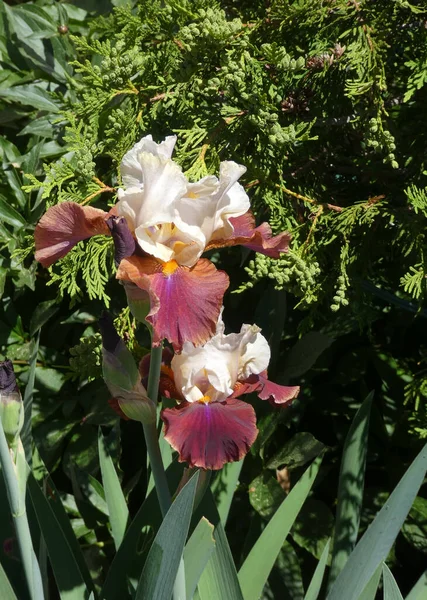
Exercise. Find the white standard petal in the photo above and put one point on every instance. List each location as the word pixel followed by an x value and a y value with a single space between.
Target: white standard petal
pixel 211 371
pixel 232 200
pixel 167 242
pixel 255 352
pixel 164 184
pixel 129 205
pixel 197 208
pixel 130 167
pixel 202 372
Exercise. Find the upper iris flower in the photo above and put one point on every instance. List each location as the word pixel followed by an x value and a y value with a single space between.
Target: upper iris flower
pixel 162 224
pixel 210 426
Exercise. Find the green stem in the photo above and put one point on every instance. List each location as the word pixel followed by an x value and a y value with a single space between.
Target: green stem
pixel 19 516
pixel 156 462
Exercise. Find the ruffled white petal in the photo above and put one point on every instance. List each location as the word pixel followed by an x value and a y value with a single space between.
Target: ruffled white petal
pixel 201 371
pixel 172 218
pixel 213 370
pixel 130 167
pixel 255 352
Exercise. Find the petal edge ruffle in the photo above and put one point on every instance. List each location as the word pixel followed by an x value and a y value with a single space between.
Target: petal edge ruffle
pixel 210 435
pixel 258 238
pixel 277 395
pixel 63 226
pixel 184 302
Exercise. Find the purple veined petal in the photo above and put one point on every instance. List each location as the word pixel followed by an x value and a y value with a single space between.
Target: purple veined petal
pixel 63 226
pixel 185 302
pixel 212 434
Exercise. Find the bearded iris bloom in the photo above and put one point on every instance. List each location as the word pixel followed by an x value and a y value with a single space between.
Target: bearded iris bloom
pixel 211 426
pixel 162 224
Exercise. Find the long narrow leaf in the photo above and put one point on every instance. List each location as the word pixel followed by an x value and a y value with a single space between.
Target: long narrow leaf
pixel 6 590
pixel 129 559
pixel 377 541
pixel 161 567
pixel 197 553
pixel 370 591
pixel 350 489
pixel 317 579
pixel 391 589
pixel 117 507
pixel 224 487
pixel 419 591
pixel 257 566
pixel 68 576
pixel 219 579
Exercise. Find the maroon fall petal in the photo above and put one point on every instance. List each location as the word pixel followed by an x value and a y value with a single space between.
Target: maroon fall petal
pixel 276 394
pixel 114 404
pixel 251 384
pixel 63 226
pixel 210 435
pixel 258 238
pixel 184 302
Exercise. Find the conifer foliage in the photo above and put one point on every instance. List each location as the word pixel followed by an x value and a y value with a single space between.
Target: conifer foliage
pixel 320 100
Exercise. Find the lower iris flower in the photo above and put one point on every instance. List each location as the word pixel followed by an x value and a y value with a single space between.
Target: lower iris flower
pixel 211 426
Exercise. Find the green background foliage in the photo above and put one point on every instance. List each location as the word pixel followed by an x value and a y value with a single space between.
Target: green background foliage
pixel 324 103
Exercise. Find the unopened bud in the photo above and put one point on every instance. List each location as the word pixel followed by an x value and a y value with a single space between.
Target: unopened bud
pixel 11 405
pixel 122 376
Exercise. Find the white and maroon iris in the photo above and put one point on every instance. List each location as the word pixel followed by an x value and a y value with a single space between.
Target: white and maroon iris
pixel 173 219
pixel 211 426
pixel 169 223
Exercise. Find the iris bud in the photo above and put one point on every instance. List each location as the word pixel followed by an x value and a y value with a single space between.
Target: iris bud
pixel 122 376
pixel 11 405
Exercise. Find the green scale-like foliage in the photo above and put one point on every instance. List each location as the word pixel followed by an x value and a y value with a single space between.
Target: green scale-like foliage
pixel 322 102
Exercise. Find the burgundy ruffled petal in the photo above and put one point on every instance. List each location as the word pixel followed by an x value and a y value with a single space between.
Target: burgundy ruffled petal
pixel 210 435
pixel 259 238
pixel 114 404
pixel 277 395
pixel 184 302
pixel 63 226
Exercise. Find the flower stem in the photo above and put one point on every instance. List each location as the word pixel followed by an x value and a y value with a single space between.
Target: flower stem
pixel 19 515
pixel 156 462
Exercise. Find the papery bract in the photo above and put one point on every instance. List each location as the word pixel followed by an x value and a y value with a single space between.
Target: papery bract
pixel 122 376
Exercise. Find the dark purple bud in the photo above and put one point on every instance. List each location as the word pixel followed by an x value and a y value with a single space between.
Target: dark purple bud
pixel 124 242
pixel 7 377
pixel 110 337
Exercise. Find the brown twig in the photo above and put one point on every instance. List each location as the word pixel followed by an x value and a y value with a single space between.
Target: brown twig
pixel 103 188
pixel 309 200
pixel 313 227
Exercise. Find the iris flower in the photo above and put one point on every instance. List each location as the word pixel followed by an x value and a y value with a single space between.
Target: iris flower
pixel 162 224
pixel 210 426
